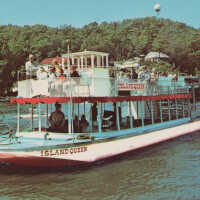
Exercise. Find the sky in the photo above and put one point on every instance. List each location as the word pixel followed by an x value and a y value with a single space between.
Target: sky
pixel 56 13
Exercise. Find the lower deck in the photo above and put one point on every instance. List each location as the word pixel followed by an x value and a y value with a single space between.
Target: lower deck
pixel 36 140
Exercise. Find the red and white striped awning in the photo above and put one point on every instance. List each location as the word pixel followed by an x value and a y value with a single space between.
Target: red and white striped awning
pixel 50 100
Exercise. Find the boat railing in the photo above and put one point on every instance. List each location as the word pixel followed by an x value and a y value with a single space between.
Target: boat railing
pixel 90 85
pixel 149 88
pixel 63 86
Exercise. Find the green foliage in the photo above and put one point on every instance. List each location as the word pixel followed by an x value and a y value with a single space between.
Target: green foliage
pixel 122 40
pixel 160 65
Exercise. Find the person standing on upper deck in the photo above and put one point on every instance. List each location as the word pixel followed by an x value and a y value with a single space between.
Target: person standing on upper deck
pixel 172 75
pixel 55 64
pixel 154 80
pixel 31 67
pixel 52 74
pixel 154 75
pixel 134 75
pixel 73 72
pixel 42 74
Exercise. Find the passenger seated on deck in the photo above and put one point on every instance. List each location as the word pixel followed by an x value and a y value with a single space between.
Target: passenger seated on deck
pixel 60 74
pixel 84 125
pixel 108 118
pixel 73 72
pixel 76 124
pixel 57 120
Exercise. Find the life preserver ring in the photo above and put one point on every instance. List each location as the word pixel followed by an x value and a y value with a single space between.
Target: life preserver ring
pixel 147 76
pixel 144 76
pixel 141 76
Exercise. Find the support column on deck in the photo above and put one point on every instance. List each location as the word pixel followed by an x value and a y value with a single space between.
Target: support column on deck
pixel 32 120
pixel 72 60
pixel 161 112
pixel 169 111
pixel 193 97
pixel 130 114
pixel 78 61
pixel 117 116
pixel 47 114
pixel 152 112
pixel 102 61
pixel 99 118
pixel 183 101
pixel 143 111
pixel 98 61
pixel 69 114
pixel 39 118
pixel 189 108
pixel 68 61
pixel 92 61
pixel 85 61
pixel 18 118
pixel 107 61
pixel 81 62
pixel 176 108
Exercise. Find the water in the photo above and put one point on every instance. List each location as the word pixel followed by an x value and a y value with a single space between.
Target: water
pixel 165 171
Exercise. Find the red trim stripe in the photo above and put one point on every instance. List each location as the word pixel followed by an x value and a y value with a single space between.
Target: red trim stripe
pixel 50 100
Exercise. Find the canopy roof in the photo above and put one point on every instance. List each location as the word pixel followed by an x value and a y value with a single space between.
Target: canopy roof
pixel 48 61
pixel 127 64
pixel 85 53
pixel 49 100
pixel 155 55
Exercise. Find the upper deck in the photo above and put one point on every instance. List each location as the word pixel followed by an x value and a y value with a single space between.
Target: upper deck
pixel 97 82
pixel 97 79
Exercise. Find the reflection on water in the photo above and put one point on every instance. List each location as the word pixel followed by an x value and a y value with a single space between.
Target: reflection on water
pixel 166 171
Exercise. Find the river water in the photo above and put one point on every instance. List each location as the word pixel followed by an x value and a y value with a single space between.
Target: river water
pixel 170 170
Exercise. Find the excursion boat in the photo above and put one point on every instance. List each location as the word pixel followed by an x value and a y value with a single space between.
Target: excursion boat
pixel 130 115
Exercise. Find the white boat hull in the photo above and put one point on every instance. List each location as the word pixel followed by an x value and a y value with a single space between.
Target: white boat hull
pixel 90 153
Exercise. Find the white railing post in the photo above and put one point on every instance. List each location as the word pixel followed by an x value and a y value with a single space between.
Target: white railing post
pixel 152 113
pixel 169 111
pixel 183 108
pixel 117 117
pixel 99 120
pixel 39 117
pixel 161 114
pixel 131 114
pixel 18 119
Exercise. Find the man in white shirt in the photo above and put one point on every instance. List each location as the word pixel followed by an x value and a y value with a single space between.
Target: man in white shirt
pixel 31 67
